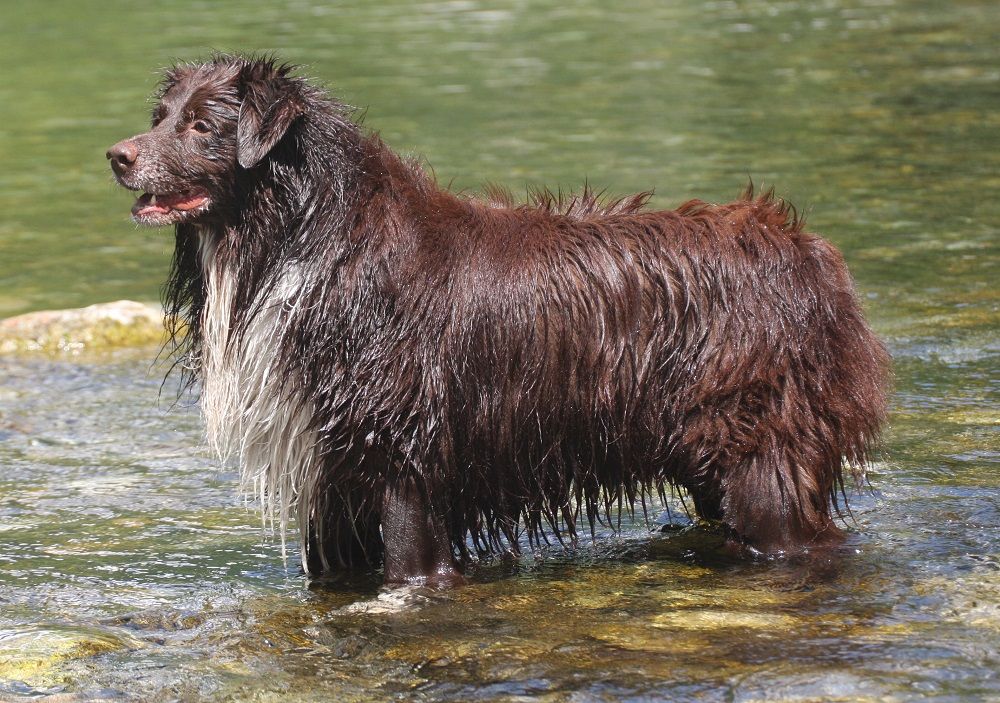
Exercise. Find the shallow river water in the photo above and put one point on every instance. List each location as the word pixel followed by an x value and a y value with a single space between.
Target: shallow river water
pixel 129 568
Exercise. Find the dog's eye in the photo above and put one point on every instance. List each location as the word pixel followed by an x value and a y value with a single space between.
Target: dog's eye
pixel 201 127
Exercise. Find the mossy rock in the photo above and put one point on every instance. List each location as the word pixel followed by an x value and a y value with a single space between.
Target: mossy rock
pixel 105 326
pixel 36 656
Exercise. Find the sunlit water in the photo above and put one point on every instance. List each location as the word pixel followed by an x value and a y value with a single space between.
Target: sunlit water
pixel 130 570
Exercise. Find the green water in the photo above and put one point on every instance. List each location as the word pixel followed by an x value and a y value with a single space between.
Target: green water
pixel 130 571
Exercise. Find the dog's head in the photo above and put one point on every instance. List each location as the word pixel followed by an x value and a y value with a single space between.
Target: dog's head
pixel 212 122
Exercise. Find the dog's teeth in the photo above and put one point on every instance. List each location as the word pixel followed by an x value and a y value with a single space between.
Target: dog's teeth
pixel 152 200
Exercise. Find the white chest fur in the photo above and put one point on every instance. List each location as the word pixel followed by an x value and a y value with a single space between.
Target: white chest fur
pixel 248 412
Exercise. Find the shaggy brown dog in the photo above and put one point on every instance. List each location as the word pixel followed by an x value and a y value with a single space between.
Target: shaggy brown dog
pixel 420 375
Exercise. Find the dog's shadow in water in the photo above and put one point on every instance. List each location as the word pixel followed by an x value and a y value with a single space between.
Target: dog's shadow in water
pixel 679 543
pixel 673 538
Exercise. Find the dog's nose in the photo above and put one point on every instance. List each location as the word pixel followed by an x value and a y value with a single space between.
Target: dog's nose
pixel 122 155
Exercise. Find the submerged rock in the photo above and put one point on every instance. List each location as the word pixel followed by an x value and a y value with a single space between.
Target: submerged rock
pixel 37 657
pixel 124 323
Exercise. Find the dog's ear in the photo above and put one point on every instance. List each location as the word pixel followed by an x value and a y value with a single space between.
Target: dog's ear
pixel 268 109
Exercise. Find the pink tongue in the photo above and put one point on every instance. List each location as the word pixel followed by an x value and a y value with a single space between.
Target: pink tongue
pixel 180 202
pixel 166 203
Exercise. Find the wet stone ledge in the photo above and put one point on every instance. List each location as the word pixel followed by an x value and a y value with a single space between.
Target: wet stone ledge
pixel 105 326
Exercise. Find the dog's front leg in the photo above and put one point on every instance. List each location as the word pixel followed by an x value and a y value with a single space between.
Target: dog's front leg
pixel 417 544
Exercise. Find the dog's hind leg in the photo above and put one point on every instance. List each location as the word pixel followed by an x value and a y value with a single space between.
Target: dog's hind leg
pixel 777 501
pixel 766 468
pixel 417 543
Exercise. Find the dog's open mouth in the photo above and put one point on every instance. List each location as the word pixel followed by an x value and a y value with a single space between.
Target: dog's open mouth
pixel 163 208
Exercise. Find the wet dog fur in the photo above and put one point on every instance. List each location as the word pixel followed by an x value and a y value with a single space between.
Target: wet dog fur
pixel 422 377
